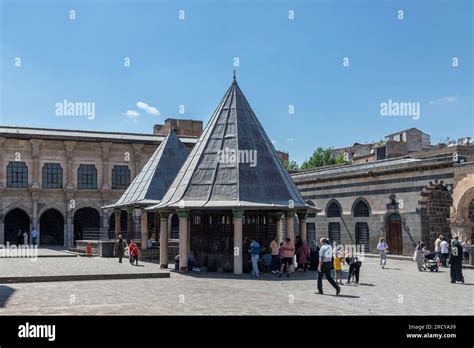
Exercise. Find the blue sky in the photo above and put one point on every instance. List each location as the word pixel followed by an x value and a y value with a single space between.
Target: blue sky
pixel 283 62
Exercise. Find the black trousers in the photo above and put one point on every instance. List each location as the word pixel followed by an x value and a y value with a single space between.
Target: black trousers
pixel 326 270
pixel 353 270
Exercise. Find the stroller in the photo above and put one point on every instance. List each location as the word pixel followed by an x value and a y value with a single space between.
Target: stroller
pixel 431 261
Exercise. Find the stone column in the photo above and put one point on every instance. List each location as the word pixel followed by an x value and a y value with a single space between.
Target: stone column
pixel 183 239
pixel 290 229
pixel 130 224
pixel 163 239
pixel 34 222
pixel 35 150
pixel 290 224
pixel 70 228
pixel 144 229
pixel 105 225
pixel 280 227
pixel 118 227
pixel 2 229
pixel 238 246
pixel 69 146
pixel 105 165
pixel 302 222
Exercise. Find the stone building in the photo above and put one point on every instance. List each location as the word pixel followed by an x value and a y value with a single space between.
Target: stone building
pixel 404 200
pixel 58 180
pixel 223 196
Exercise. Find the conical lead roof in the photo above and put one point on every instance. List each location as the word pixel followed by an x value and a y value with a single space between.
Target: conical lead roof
pixel 150 185
pixel 254 178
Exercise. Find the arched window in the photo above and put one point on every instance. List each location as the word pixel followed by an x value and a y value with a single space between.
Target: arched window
pixel 333 210
pixel 87 177
pixel 361 209
pixel 52 176
pixel 120 177
pixel 17 175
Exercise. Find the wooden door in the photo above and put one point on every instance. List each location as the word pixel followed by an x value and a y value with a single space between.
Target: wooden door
pixel 394 241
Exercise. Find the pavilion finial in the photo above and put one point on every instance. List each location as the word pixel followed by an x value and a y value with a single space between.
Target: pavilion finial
pixel 234 76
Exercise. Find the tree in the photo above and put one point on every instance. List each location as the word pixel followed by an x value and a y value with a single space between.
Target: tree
pixel 322 157
pixel 290 165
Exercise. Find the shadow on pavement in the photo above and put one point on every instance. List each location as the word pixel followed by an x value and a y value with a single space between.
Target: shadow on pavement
pixel 263 276
pixel 5 293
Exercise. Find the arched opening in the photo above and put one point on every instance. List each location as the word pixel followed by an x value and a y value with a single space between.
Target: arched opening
pixel 16 223
pixel 86 224
pixel 333 210
pixel 394 234
pixel 52 228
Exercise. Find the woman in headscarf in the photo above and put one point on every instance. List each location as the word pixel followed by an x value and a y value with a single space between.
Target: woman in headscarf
pixel 314 256
pixel 455 261
pixel 302 256
pixel 419 255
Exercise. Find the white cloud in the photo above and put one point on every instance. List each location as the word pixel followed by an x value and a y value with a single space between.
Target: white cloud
pixel 290 139
pixel 274 142
pixel 443 100
pixel 132 114
pixel 149 109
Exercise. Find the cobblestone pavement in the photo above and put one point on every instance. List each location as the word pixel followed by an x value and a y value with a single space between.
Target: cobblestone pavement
pixel 399 289
pixel 48 266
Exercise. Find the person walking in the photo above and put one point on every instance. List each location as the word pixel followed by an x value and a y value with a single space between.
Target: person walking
pixel 133 251
pixel 302 256
pixel 25 238
pixel 419 255
pixel 288 250
pixel 275 251
pixel 324 267
pixel 119 248
pixel 382 247
pixel 455 261
pixel 34 236
pixel 444 248
pixel 255 255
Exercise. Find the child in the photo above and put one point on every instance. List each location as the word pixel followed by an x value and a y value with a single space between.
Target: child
pixel 133 249
pixel 338 261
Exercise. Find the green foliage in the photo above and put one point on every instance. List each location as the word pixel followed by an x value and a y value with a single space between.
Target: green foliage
pixel 322 157
pixel 290 165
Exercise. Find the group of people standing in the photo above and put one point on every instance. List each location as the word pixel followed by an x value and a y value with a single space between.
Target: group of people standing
pixel 22 237
pixel 120 247
pixel 313 257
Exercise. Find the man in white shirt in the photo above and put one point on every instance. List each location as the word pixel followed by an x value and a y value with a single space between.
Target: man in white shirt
pixel 324 268
pixel 444 248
